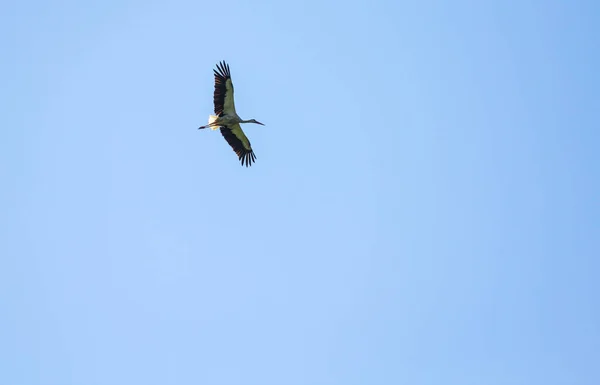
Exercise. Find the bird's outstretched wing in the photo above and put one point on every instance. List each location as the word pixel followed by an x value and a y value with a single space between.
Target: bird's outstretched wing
pixel 223 96
pixel 240 143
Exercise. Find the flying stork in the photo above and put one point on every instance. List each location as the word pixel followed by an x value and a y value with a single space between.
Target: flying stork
pixel 227 119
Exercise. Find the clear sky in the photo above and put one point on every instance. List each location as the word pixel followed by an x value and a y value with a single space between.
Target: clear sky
pixel 424 208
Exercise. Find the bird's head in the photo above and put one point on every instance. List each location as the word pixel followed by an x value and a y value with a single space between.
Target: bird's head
pixel 256 121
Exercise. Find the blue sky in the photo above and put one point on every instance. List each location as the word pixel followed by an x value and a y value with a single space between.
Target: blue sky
pixel 423 210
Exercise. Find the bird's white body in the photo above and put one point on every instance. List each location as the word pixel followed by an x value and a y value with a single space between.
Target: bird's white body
pixel 214 122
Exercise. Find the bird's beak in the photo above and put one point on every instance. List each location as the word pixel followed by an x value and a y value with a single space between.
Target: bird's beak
pixel 257 122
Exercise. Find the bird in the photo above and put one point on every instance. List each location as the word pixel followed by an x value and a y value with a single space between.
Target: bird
pixel 226 119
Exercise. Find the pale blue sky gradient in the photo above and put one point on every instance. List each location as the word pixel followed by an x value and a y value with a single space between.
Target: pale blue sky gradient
pixel 424 208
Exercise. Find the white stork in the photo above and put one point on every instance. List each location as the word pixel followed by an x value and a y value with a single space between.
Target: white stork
pixel 227 119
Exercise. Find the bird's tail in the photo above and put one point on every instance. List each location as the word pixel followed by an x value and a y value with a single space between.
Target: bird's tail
pixel 211 120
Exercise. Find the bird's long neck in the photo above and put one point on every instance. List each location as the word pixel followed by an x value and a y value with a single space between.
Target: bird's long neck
pixel 246 121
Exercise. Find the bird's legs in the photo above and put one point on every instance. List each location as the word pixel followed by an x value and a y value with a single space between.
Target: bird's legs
pixel 213 122
pixel 212 125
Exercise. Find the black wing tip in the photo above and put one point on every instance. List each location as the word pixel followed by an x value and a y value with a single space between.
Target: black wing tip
pixel 223 70
pixel 247 158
